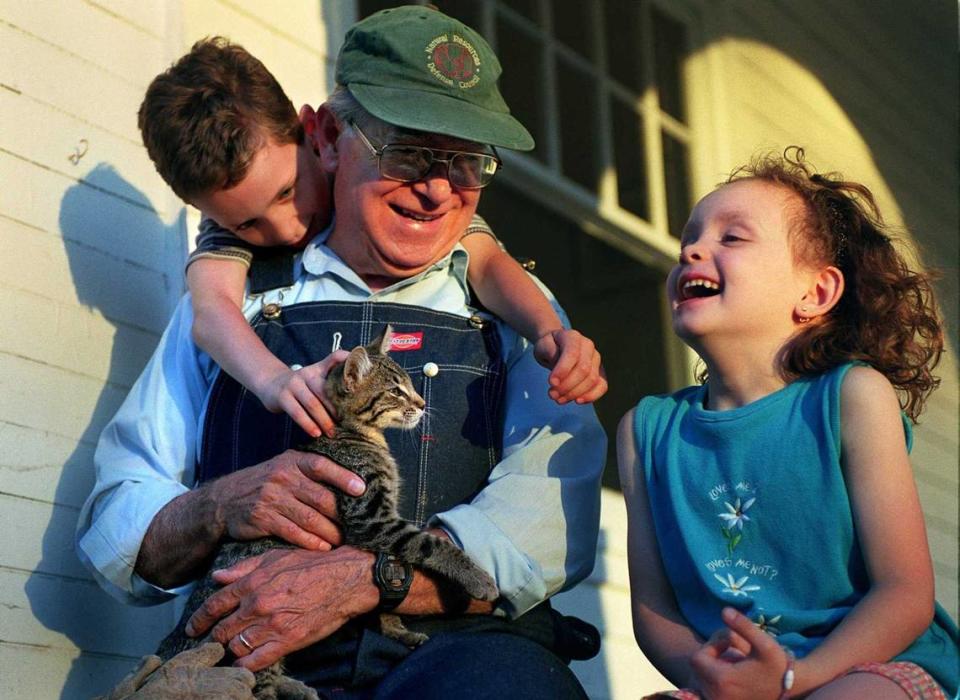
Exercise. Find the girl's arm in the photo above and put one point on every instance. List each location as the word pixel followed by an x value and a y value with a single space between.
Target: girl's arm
pixel 890 529
pixel 506 289
pixel 220 328
pixel 889 524
pixel 660 629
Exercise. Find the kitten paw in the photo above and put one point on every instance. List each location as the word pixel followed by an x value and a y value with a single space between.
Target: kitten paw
pixel 480 585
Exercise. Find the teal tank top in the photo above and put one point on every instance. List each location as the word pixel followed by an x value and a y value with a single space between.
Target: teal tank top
pixel 751 511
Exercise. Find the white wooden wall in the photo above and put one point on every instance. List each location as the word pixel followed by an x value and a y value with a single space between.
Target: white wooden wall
pixel 91 257
pixel 89 250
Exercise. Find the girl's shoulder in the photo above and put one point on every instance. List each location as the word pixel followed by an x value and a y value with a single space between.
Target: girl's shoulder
pixel 660 403
pixel 653 411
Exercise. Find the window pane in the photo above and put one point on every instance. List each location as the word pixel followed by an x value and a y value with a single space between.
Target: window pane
pixel 670 48
pixel 573 25
pixel 467 11
pixel 630 159
pixel 622 34
pixel 365 8
pixel 577 115
pixel 675 171
pixel 521 55
pixel 527 8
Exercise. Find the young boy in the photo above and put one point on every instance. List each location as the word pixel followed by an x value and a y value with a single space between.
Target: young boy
pixel 228 141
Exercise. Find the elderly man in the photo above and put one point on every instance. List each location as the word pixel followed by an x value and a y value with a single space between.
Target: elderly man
pixel 505 473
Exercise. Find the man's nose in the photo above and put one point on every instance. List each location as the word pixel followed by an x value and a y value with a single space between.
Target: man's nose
pixel 435 185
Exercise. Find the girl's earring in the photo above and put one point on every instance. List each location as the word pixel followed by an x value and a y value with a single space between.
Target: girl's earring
pixel 804 319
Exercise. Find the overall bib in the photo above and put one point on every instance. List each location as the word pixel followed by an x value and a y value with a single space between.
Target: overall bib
pixel 444 462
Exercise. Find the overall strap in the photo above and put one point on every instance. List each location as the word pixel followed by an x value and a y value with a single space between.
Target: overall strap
pixel 271 268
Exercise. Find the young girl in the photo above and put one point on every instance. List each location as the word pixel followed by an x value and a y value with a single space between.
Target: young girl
pixel 216 276
pixel 776 542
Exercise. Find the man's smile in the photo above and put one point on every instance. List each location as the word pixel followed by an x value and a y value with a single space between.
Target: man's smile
pixel 416 216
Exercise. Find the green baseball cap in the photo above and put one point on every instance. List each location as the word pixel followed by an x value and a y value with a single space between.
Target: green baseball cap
pixel 416 68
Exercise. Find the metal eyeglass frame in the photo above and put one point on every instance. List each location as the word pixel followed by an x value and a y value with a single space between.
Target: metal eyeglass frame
pixel 378 152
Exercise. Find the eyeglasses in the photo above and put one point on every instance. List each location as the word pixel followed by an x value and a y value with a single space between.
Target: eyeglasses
pixel 407 163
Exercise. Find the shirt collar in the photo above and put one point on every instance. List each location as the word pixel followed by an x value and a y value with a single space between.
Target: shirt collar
pixel 318 259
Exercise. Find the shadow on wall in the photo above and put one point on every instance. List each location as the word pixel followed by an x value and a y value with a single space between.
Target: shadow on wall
pixel 106 224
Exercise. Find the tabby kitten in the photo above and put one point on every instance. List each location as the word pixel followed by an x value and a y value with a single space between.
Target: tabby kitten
pixel 370 393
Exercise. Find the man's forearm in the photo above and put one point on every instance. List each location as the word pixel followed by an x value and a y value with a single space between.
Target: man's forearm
pixel 180 541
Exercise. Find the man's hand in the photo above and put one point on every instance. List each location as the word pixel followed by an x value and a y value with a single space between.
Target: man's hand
pixel 743 663
pixel 300 394
pixel 189 674
pixel 287 497
pixel 577 374
pixel 285 600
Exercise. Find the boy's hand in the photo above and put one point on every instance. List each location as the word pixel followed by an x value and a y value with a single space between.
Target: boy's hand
pixel 577 373
pixel 299 393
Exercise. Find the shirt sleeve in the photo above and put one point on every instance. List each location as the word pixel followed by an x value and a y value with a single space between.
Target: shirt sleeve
pixel 220 244
pixel 145 458
pixel 535 524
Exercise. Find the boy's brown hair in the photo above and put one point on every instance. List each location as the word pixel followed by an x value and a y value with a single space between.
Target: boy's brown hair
pixel 204 118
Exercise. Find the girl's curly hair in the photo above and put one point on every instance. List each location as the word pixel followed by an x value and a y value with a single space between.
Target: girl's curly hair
pixel 887 316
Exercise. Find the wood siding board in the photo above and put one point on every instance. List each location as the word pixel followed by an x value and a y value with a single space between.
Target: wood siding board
pixel 55 612
pixel 151 18
pixel 105 42
pixel 299 66
pixel 49 137
pixel 44 466
pixel 91 93
pixel 29 389
pixel 31 671
pixel 137 289
pixel 74 339
pixel 29 260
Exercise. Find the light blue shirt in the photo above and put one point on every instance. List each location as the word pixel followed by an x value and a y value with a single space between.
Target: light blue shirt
pixel 533 527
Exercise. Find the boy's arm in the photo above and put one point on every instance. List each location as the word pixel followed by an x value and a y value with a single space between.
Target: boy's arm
pixel 506 289
pixel 660 629
pixel 220 328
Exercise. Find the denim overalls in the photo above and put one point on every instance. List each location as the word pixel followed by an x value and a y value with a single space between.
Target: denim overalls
pixel 443 463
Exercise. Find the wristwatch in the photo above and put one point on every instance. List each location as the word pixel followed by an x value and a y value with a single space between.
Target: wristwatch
pixel 393 577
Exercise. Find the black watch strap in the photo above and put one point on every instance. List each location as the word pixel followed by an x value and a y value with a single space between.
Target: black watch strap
pixel 393 577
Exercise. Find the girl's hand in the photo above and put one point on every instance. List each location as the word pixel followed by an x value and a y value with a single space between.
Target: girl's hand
pixel 577 373
pixel 727 645
pixel 300 394
pixel 756 675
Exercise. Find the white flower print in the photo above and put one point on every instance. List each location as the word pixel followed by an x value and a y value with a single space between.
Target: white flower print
pixel 768 625
pixel 736 587
pixel 737 514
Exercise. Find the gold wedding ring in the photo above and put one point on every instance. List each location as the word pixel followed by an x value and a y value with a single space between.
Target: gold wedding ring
pixel 244 642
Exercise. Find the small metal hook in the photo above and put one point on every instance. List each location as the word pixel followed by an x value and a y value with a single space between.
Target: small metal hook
pixel 78 153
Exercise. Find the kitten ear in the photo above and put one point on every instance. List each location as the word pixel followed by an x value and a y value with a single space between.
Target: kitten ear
pixel 356 367
pixel 381 345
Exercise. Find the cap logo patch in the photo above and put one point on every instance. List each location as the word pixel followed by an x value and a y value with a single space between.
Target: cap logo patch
pixel 453 61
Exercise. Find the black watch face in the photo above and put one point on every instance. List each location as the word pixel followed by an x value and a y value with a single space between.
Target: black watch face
pixel 393 574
